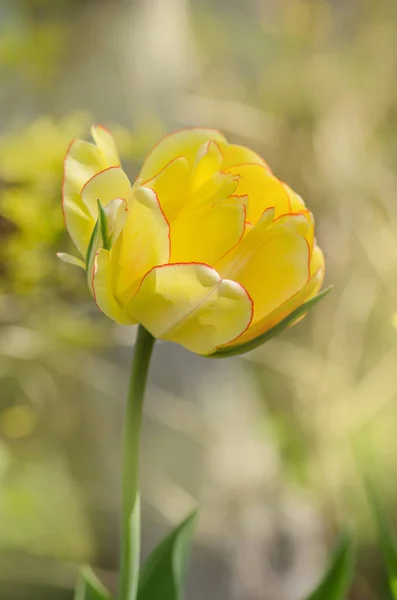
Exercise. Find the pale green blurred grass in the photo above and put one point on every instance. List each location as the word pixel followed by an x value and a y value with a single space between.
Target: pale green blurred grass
pixel 264 443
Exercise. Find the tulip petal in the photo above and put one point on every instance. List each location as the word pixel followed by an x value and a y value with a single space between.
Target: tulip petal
pixel 300 223
pixel 293 317
pixel 317 260
pixel 77 220
pixel 263 190
pixel 105 186
pixel 309 290
pixel 82 161
pixel 207 233
pixel 272 263
pixel 102 289
pixel 215 189
pixel 297 204
pixel 111 220
pixel 208 162
pixel 233 155
pixel 252 239
pixel 192 305
pixel 172 187
pixel 143 243
pixel 186 143
pixel 106 144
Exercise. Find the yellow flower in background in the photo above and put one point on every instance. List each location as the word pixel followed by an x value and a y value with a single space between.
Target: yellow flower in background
pixel 207 248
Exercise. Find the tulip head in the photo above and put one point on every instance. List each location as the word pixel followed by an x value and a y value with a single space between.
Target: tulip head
pixel 207 248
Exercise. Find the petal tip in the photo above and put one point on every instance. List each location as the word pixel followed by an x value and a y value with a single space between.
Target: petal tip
pixel 230 289
pixel 206 275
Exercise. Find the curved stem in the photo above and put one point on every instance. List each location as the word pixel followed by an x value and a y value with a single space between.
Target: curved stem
pixel 130 532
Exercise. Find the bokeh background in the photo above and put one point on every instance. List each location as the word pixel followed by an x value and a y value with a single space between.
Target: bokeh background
pixel 265 444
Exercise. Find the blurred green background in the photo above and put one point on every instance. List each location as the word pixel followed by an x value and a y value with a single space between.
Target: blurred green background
pixel 264 443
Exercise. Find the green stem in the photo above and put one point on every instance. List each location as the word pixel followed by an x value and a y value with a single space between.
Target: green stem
pixel 130 532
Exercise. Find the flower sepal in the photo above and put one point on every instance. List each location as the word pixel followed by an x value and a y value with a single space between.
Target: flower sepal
pixel 110 222
pixel 71 260
pixel 270 333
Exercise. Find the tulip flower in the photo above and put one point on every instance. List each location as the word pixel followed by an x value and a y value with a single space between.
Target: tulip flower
pixel 207 248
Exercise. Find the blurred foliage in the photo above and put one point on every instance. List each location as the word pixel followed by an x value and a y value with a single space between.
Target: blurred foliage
pixel 31 179
pixel 37 324
pixel 24 507
pixel 42 44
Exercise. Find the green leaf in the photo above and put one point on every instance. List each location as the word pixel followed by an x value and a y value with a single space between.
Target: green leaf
pixel 163 574
pixel 386 538
pixel 335 583
pixel 271 333
pixel 89 587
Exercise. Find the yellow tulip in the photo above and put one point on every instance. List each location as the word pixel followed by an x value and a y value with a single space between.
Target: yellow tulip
pixel 207 248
